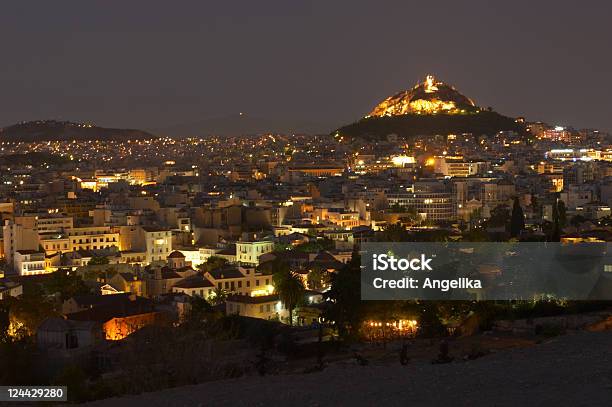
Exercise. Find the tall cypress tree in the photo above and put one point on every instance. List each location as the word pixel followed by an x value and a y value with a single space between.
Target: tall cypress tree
pixel 562 213
pixel 556 232
pixel 4 324
pixel 517 222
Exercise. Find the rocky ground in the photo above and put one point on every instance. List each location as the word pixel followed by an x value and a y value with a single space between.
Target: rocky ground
pixel 569 370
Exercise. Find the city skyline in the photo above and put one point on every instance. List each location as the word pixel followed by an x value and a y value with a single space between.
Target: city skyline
pixel 326 65
pixel 305 203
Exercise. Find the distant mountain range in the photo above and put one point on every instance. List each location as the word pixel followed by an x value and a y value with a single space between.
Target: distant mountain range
pixel 51 130
pixel 240 124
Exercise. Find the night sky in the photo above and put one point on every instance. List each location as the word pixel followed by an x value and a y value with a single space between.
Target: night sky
pixel 155 63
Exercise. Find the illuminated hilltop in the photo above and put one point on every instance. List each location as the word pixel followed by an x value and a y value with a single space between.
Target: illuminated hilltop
pixel 427 97
pixel 431 107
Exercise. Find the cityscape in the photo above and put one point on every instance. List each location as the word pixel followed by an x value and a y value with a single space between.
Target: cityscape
pixel 226 267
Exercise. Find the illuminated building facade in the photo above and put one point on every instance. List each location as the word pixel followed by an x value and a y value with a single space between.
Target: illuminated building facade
pixel 433 206
pixel 158 244
pixel 557 134
pixel 29 262
pixel 241 280
pixel 457 167
pixel 93 238
pixel 263 307
pixel 248 252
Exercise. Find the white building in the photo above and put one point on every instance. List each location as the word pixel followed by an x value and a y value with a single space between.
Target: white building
pixel 249 252
pixel 158 244
pixel 93 238
pixel 29 262
pixel 263 307
pixel 18 237
pixel 435 206
pixel 457 168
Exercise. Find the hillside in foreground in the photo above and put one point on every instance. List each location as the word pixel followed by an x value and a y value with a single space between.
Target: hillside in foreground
pixel 568 370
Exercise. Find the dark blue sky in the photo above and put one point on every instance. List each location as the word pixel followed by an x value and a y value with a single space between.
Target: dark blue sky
pixel 157 63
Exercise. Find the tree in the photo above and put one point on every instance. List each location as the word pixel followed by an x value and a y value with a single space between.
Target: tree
pixel 395 233
pixel 200 309
pixel 430 324
pixel 556 230
pixel 218 296
pixel 273 266
pixel 66 284
pixel 517 222
pixel 536 207
pixel 500 216
pixel 317 278
pixel 98 261
pixel 315 246
pixel 562 213
pixel 290 289
pixel 346 309
pixel 212 263
pixel 4 323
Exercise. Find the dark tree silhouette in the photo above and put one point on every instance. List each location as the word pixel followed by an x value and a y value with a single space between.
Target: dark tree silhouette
pixel 556 230
pixel 98 261
pixel 562 213
pixel 290 289
pixel 212 263
pixel 346 309
pixel 500 216
pixel 517 221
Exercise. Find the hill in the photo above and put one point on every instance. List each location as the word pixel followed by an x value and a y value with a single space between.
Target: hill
pixel 431 107
pixel 410 125
pixel 51 130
